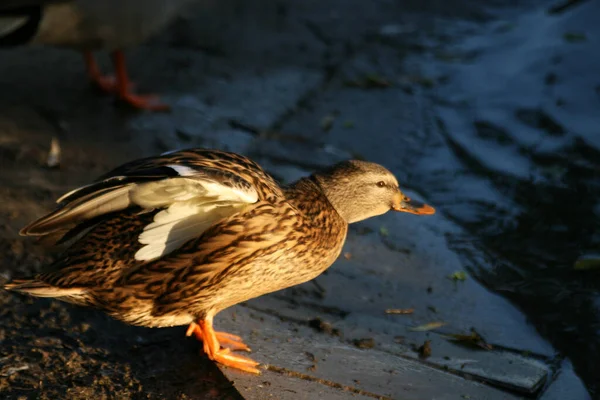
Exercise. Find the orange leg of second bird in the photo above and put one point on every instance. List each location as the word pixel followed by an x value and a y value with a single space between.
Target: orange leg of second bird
pixel 120 83
pixel 213 341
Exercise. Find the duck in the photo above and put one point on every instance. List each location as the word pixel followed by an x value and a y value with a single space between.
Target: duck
pixel 175 239
pixel 89 25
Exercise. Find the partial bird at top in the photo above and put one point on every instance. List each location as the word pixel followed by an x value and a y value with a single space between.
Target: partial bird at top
pixel 89 25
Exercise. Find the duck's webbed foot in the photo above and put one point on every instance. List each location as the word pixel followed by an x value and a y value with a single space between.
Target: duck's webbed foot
pixel 120 84
pixel 214 341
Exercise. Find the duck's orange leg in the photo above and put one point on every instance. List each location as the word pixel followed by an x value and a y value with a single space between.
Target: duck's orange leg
pixel 146 102
pixel 120 83
pixel 228 340
pixel 213 341
pixel 105 82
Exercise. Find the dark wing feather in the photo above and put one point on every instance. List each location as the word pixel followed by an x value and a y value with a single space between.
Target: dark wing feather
pixel 113 180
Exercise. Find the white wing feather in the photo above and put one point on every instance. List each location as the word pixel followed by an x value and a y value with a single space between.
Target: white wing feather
pixel 178 224
pixel 193 206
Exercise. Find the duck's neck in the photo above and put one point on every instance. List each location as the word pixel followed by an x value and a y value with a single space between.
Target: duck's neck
pixel 307 195
pixel 323 226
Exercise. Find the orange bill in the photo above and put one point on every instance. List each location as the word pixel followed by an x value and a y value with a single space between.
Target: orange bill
pixel 405 204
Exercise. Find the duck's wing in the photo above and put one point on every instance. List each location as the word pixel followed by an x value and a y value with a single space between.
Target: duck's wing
pixel 192 195
pixel 158 182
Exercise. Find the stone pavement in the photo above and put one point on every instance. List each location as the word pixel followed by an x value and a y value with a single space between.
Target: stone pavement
pixel 298 85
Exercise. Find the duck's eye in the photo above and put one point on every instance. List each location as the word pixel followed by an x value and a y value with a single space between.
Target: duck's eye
pixel 381 184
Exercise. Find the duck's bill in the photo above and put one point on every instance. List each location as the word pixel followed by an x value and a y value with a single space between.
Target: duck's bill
pixel 414 207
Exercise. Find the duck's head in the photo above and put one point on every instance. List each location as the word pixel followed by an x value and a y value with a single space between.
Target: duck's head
pixel 359 190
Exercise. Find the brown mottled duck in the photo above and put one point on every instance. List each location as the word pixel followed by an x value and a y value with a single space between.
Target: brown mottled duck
pixel 175 239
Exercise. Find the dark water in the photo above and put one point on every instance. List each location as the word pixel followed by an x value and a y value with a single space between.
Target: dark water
pixel 519 113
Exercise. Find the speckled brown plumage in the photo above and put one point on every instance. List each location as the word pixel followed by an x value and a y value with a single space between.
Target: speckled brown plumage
pixel 279 238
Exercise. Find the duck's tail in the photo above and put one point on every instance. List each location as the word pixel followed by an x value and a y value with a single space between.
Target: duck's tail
pixel 39 288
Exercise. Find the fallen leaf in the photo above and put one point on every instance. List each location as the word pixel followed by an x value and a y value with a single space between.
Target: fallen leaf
pixel 458 276
pixel 327 122
pixel 400 311
pixel 587 262
pixel 425 349
pixel 348 255
pixel 348 124
pixel 473 339
pixel 428 327
pixel 367 343
pixel 383 231
pixel 324 326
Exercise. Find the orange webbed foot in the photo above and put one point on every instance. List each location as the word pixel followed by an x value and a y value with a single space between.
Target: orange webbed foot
pixel 225 357
pixel 108 83
pixel 213 343
pixel 120 84
pixel 143 102
pixel 232 342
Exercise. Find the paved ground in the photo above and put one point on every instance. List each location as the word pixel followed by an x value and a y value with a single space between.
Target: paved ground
pixel 296 85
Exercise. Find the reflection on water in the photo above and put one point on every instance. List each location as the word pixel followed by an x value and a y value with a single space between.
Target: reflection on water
pixel 522 123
